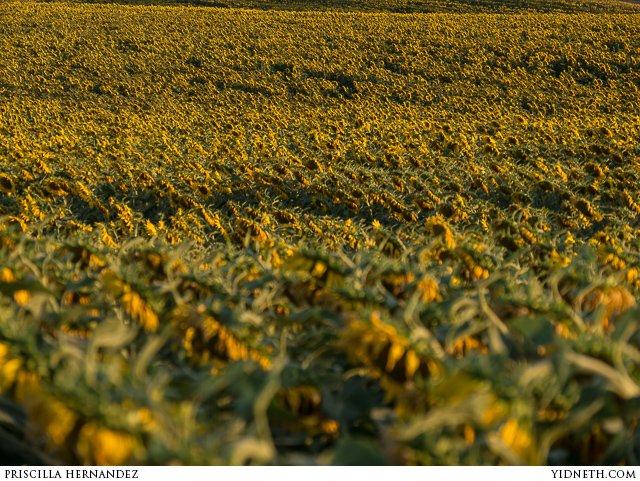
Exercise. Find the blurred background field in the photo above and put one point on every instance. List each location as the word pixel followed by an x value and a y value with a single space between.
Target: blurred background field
pixel 235 235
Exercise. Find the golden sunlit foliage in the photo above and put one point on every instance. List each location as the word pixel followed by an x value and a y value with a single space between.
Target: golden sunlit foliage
pixel 235 236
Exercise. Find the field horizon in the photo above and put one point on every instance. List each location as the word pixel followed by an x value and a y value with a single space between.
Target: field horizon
pixel 392 6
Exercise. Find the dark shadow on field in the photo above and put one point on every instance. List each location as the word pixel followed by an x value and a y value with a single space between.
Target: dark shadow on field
pixel 292 197
pixel 150 204
pixel 154 204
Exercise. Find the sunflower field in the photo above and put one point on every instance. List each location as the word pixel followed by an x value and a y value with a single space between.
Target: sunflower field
pixel 320 234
